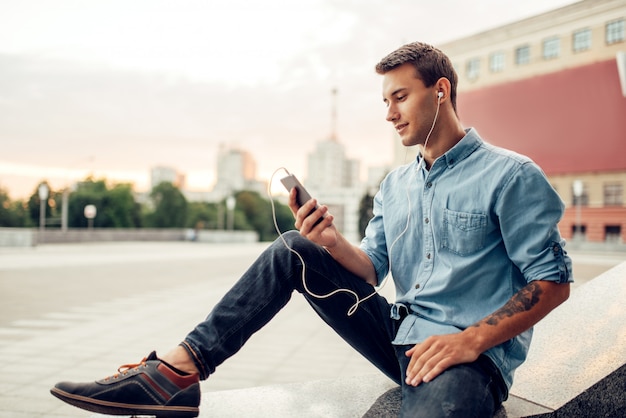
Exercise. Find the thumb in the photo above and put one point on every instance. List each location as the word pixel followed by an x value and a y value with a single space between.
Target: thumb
pixel 410 352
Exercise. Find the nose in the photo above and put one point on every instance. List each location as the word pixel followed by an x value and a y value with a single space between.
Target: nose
pixel 392 114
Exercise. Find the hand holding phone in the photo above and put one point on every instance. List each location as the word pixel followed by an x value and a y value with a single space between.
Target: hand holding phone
pixel 291 182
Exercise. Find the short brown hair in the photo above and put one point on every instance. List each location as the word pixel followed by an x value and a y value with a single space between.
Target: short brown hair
pixel 430 65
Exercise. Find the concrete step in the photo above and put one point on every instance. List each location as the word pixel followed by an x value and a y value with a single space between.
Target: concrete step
pixel 368 396
pixel 577 350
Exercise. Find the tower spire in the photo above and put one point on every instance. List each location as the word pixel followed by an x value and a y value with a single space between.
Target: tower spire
pixel 333 115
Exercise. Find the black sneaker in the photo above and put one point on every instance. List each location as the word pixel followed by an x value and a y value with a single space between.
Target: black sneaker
pixel 151 387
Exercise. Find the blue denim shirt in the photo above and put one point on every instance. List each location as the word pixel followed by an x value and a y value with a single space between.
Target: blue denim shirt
pixel 478 226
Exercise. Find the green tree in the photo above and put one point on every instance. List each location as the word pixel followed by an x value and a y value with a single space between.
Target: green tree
pixel 202 215
pixel 170 207
pixel 9 217
pixel 20 207
pixel 258 213
pixel 255 209
pixel 88 192
pixel 284 219
pixel 116 206
pixel 120 209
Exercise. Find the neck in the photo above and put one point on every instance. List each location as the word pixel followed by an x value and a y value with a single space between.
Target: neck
pixel 449 133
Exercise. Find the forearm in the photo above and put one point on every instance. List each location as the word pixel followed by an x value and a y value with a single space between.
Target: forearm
pixel 527 307
pixel 353 259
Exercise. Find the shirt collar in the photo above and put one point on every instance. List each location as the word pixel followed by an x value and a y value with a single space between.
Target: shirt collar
pixel 462 149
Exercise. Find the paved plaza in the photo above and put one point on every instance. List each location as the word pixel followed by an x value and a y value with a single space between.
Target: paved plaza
pixel 78 311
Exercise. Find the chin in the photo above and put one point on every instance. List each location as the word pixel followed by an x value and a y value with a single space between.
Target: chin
pixel 408 143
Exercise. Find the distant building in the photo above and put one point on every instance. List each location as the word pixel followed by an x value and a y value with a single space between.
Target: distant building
pixel 553 87
pixel 329 167
pixel 158 175
pixel 162 174
pixel 236 171
pixel 333 179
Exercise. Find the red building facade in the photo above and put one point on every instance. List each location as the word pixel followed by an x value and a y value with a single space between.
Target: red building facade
pixel 565 109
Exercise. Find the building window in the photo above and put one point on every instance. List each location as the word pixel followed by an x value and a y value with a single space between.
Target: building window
pixel 551 48
pixel 473 68
pixel 615 31
pixel 613 194
pixel 613 234
pixel 496 62
pixel 522 55
pixel 582 40
pixel 579 232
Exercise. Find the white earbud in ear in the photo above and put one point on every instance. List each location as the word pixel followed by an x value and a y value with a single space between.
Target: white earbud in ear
pixel 440 95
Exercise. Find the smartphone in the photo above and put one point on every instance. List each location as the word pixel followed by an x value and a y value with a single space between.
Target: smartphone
pixel 291 182
pixel 302 196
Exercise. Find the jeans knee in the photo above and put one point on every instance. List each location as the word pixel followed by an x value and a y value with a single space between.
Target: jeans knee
pixel 295 241
pixel 292 236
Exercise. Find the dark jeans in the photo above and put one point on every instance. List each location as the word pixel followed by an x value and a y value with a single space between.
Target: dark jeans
pixel 268 285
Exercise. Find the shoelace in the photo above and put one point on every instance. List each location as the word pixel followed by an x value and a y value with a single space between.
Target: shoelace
pixel 125 368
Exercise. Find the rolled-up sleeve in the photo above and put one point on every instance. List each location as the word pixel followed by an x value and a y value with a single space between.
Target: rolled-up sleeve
pixel 374 243
pixel 529 210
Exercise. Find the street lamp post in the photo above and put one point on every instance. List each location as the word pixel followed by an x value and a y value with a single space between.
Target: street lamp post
pixel 230 205
pixel 43 198
pixel 90 212
pixel 220 216
pixel 65 209
pixel 578 193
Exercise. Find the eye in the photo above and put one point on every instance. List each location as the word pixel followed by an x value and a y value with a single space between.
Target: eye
pixel 400 97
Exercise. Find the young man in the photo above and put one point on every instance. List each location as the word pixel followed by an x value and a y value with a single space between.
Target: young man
pixel 469 233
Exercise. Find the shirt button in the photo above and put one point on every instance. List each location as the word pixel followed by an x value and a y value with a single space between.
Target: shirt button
pixel 417 286
pixel 428 256
pixel 427 220
pixel 429 185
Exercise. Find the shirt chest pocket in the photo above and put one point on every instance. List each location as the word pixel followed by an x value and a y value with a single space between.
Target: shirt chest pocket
pixel 463 233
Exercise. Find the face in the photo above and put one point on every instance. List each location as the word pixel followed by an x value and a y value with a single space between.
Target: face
pixel 411 106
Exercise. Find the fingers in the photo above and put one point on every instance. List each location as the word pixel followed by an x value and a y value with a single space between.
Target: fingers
pixel 300 212
pixel 308 217
pixel 424 372
pixel 293 205
pixel 417 369
pixel 428 360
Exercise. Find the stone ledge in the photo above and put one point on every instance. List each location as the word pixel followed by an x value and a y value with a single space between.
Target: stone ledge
pixel 578 344
pixel 18 237
pixel 576 358
pixel 367 396
pixel 337 398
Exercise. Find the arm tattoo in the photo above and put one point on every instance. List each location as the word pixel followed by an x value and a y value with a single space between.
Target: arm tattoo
pixel 522 301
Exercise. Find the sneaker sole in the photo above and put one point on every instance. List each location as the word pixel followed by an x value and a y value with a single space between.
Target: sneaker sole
pixel 114 408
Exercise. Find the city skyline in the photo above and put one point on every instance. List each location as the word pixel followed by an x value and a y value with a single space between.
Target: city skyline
pixel 87 89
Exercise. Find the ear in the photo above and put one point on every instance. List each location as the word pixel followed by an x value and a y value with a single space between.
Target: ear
pixel 442 88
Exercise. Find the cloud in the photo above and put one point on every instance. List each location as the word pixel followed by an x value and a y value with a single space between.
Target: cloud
pixel 53 110
pixel 118 85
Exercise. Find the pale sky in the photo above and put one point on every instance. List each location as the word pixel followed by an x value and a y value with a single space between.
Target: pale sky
pixel 115 87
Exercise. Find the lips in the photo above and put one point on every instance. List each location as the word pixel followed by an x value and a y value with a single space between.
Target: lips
pixel 400 127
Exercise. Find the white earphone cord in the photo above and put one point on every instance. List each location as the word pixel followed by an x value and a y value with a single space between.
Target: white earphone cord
pixel 358 300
